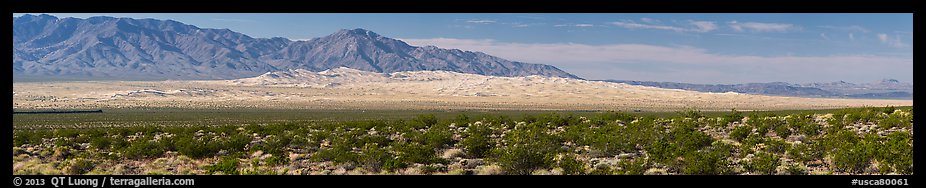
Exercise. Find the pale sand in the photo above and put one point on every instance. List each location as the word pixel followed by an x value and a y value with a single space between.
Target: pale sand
pixel 421 90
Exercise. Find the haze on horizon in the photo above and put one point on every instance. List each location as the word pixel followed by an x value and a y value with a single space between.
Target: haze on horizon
pixel 688 48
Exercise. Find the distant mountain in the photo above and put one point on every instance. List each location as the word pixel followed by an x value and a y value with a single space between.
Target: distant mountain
pixel 125 48
pixel 774 88
pixel 883 86
pixel 885 89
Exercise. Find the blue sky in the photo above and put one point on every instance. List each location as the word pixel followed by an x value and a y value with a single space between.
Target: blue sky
pixel 695 48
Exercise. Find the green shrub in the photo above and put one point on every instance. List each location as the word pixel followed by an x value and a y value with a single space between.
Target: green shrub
pixel 710 161
pixel 734 116
pixel 897 152
pixel 423 121
pixel 227 165
pixel 811 129
pixel 633 167
pixel 571 166
pixel 661 151
pixel 782 131
pixel 80 166
pixel 437 136
pixel 143 148
pixel 795 169
pixel 777 146
pixel 740 133
pixel 197 147
pixel 806 152
pixel 524 159
pixel 338 153
pixel 764 163
pixel 373 157
pixel 392 165
pixel 477 144
pixel 852 158
pixel 416 153
pixel 602 170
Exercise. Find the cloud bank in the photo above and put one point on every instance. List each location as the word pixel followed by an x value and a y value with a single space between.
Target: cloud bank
pixel 685 63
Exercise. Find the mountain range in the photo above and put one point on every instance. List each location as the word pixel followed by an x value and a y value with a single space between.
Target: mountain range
pixel 150 49
pixel 885 89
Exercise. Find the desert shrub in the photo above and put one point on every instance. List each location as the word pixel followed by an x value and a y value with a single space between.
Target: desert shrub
pixel 709 161
pixel 633 167
pixel 811 129
pixel 374 157
pixel 740 133
pixel 437 136
pixel 602 170
pixel 692 113
pixel 275 145
pixel 80 166
pixel 197 147
pixel 836 120
pixel 796 169
pixel 462 120
pixel 226 165
pixel 688 138
pixel 777 146
pixel 897 152
pixel 764 163
pixel 855 157
pixel 894 120
pixel 477 144
pixel 236 143
pixel 101 142
pixel 338 153
pixel 523 159
pixel 571 166
pixel 806 151
pixel 661 151
pixel 782 131
pixel 143 148
pixel 733 116
pixel 416 153
pixel 392 165
pixel 423 121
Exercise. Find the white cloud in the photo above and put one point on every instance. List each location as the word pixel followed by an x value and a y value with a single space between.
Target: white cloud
pixel 649 20
pixel 704 26
pixel 695 26
pixel 762 27
pixel 851 36
pixel 823 35
pixel 480 21
pixel 633 25
pixel 851 28
pixel 584 25
pixel 893 42
pixel 595 61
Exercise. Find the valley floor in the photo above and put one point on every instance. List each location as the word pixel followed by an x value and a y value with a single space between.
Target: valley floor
pixel 466 95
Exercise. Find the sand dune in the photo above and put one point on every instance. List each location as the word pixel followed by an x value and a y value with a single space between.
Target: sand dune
pixel 345 88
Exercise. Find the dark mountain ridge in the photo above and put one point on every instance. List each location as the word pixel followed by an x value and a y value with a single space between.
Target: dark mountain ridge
pixel 150 49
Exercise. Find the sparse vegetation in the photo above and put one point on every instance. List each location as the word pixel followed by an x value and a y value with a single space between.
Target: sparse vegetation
pixel 598 143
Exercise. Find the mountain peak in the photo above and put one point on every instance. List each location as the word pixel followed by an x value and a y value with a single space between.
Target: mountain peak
pixel 36 17
pixel 889 80
pixel 357 32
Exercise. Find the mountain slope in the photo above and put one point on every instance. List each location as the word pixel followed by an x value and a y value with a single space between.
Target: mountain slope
pixel 125 48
